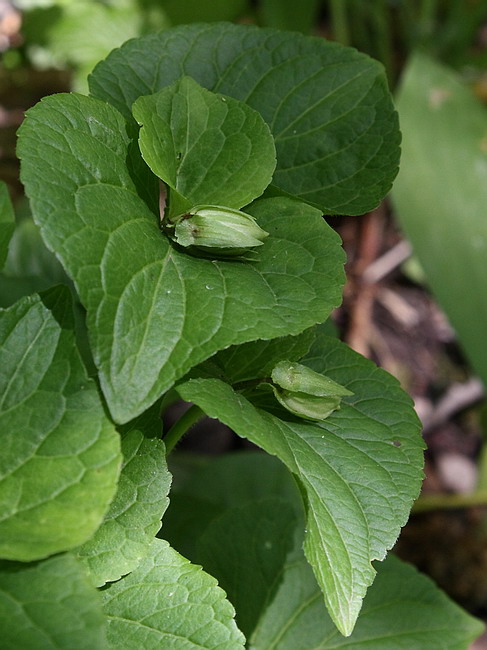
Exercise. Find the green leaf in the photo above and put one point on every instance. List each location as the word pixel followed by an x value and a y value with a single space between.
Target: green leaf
pixel 155 312
pixel 236 479
pixel 328 107
pixel 257 358
pixel 441 192
pixel 360 469
pixel 56 35
pixel 7 222
pixel 245 550
pixel 134 517
pixel 61 454
pixel 49 605
pixel 229 481
pixel 211 149
pixel 169 603
pixel 30 266
pixel 402 609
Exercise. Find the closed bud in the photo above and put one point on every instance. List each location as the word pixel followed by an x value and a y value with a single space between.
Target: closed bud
pixel 218 230
pixel 304 392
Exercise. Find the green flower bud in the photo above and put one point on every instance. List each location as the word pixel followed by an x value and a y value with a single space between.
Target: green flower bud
pixel 218 230
pixel 306 393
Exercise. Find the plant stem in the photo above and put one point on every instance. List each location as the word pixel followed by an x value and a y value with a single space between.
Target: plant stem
pixel 338 10
pixel 179 428
pixel 448 501
pixel 382 30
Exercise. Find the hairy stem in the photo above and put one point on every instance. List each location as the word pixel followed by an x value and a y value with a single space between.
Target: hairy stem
pixel 179 428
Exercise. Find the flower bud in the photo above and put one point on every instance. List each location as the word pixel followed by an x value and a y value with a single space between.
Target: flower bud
pixel 218 230
pixel 306 393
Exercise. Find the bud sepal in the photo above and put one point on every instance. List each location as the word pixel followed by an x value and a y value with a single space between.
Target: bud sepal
pixel 306 393
pixel 217 230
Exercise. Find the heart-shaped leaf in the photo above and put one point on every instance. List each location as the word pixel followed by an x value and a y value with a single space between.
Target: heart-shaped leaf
pixel 328 107
pixel 209 148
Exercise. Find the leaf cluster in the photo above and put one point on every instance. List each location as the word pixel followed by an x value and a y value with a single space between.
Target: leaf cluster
pixel 286 128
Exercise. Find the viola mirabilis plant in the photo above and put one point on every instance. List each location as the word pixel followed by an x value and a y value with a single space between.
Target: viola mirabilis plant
pixel 219 299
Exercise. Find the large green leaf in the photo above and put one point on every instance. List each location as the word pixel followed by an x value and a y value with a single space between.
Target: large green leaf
pixel 30 266
pixel 328 106
pixel 60 453
pixel 245 550
pixel 402 609
pixel 153 311
pixel 167 602
pixel 441 192
pixel 49 605
pixel 225 482
pixel 135 514
pixel 360 469
pixel 7 222
pixel 209 148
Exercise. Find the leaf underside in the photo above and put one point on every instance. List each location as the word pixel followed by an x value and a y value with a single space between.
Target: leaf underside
pixel 167 602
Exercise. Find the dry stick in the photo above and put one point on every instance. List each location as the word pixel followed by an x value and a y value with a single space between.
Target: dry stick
pixel 387 263
pixel 458 397
pixel 361 309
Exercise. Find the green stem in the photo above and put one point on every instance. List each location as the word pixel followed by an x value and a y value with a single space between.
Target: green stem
pixel 429 502
pixel 179 428
pixel 382 30
pixel 427 16
pixel 341 31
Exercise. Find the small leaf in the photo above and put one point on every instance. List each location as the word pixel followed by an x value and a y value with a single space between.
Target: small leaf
pixel 134 517
pixel 169 603
pixel 327 106
pixel 49 605
pixel 353 517
pixel 402 609
pixel 61 454
pixel 7 222
pixel 211 149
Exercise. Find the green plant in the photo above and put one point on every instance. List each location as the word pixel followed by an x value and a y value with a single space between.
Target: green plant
pixel 284 128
